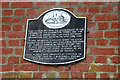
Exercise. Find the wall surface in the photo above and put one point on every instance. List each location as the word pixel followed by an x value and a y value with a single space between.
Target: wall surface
pixel 102 41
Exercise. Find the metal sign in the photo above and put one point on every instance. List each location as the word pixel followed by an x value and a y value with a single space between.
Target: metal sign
pixel 55 37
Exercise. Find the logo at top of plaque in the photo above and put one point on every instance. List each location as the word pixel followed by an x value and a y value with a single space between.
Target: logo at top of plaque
pixel 56 19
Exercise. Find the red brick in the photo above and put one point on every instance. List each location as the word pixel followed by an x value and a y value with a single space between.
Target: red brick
pixel 2 43
pixel 104 75
pixel 80 67
pixel 8 12
pixel 50 68
pixel 19 12
pixel 89 16
pixel 17 27
pixel 2 34
pixel 102 42
pixel 22 42
pixel 103 25
pixel 5 4
pixel 102 51
pixel 45 4
pixel 26 67
pixel 37 75
pixel 42 11
pixel 10 20
pixel 21 4
pixel 115 59
pixel 63 75
pixel 82 9
pixel 93 3
pixel 24 19
pixel 91 25
pixel 13 42
pixel 114 42
pixel 6 67
pixel 95 34
pixel 31 12
pixel 23 60
pixel 100 59
pixel 15 34
pixel 5 28
pixel 111 34
pixel 88 59
pixel 106 17
pixel 76 75
pixel 13 60
pixel 93 10
pixel 117 75
pixel 108 68
pixel 6 50
pixel 19 51
pixel 70 9
pixel 69 3
pixel 107 9
pixel 90 75
pixel 114 25
pixel 2 60
pixel 90 42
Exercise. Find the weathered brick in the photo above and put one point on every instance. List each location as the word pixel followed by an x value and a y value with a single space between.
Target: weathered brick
pixel 41 11
pixel 26 67
pixel 70 9
pixel 91 25
pixel 93 3
pixel 10 20
pixel 114 25
pixel 31 11
pixel 2 43
pixel 106 17
pixel 76 75
pixel 102 42
pixel 37 75
pixel 104 75
pixel 88 59
pixel 24 19
pixel 13 60
pixel 22 42
pixel 17 27
pixel 13 42
pixel 103 25
pixel 93 10
pixel 6 67
pixel 21 4
pixel 23 60
pixel 63 75
pixel 114 42
pixel 90 75
pixel 6 50
pixel 50 68
pixel 15 34
pixel 89 16
pixel 5 28
pixel 111 34
pixel 95 34
pixel 7 12
pixel 90 42
pixel 115 59
pixel 26 75
pixel 100 59
pixel 102 51
pixel 5 4
pixel 2 60
pixel 19 51
pixel 80 67
pixel 19 12
pixel 2 34
pixel 82 9
pixel 45 4
pixel 107 9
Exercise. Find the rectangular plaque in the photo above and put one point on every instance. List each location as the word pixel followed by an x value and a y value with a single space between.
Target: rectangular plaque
pixel 56 37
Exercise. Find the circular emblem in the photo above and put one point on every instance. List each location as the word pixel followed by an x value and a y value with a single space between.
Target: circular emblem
pixel 56 19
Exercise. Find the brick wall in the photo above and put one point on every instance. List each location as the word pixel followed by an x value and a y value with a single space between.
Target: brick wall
pixel 102 41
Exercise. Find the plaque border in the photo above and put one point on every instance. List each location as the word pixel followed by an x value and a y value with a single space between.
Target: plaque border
pixel 61 62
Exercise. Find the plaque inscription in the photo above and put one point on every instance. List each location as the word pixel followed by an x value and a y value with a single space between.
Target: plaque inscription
pixel 56 37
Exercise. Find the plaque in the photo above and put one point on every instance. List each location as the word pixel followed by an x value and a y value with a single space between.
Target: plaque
pixel 56 37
